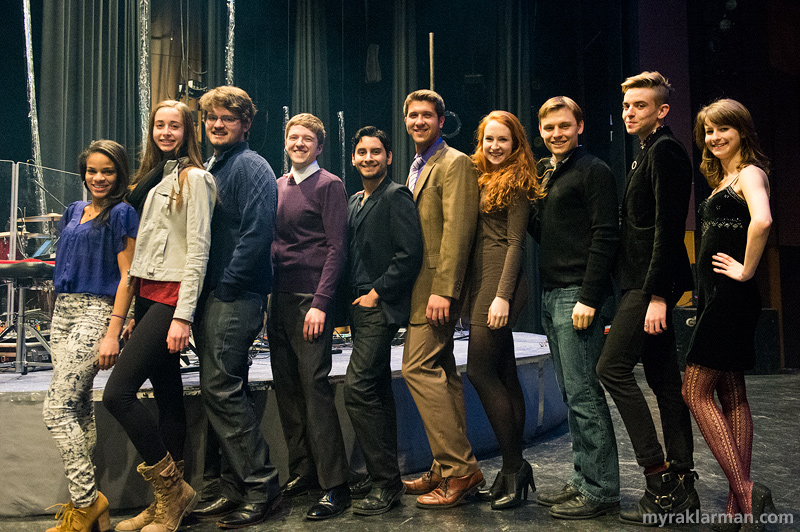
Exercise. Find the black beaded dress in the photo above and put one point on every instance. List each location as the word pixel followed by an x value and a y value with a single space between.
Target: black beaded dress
pixel 727 310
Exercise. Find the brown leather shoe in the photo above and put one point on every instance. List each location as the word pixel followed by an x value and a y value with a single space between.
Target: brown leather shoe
pixel 424 484
pixel 452 491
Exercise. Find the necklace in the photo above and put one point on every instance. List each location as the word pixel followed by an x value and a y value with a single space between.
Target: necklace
pixel 89 213
pixel 650 136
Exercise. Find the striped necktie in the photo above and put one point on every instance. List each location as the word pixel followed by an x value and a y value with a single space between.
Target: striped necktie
pixel 413 174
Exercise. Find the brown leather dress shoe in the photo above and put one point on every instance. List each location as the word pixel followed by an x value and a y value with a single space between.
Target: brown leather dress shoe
pixel 424 484
pixel 452 491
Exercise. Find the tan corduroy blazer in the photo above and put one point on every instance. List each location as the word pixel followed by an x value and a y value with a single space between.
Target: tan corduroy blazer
pixel 447 199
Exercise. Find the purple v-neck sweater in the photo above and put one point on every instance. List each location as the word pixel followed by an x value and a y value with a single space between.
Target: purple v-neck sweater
pixel 310 246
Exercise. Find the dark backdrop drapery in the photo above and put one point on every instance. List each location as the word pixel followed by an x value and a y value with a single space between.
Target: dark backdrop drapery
pixel 87 78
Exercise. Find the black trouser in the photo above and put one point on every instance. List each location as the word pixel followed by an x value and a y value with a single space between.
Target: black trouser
pixel 627 343
pixel 368 394
pixel 305 396
pixel 146 356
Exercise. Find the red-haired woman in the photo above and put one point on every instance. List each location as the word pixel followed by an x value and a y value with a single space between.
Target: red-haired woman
pixel 736 219
pixel 508 184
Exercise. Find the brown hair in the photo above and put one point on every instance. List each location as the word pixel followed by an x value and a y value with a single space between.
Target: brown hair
pixel 309 121
pixel 116 154
pixel 516 174
pixel 152 155
pixel 425 95
pixel 231 98
pixel 650 80
pixel 727 112
pixel 557 103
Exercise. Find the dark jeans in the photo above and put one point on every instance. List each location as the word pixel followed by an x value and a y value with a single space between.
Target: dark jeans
pixel 144 357
pixel 224 334
pixel 305 396
pixel 368 394
pixel 627 343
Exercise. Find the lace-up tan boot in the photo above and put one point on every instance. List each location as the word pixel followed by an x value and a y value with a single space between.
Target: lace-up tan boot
pixel 146 516
pixel 175 499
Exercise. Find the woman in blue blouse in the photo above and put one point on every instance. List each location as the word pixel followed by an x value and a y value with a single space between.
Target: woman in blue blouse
pixel 93 256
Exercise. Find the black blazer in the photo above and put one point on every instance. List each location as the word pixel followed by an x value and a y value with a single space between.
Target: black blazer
pixel 652 255
pixel 389 239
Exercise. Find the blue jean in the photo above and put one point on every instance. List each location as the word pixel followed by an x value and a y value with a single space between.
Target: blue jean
pixel 224 334
pixel 575 356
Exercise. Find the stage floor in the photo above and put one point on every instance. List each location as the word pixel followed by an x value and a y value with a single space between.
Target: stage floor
pixel 34 477
pixel 775 404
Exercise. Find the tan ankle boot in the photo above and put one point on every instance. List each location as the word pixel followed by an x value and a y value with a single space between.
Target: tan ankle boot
pixel 71 519
pixel 146 516
pixel 174 497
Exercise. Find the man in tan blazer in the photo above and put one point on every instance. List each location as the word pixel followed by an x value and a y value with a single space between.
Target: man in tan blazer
pixel 444 183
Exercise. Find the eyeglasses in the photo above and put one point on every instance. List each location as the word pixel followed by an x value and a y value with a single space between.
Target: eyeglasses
pixel 226 119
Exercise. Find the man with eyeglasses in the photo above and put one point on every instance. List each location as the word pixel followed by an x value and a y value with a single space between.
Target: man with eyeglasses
pixel 237 282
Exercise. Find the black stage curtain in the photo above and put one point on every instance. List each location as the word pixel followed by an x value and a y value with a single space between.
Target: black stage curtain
pixel 87 78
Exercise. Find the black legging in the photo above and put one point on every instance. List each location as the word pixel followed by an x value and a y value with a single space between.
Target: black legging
pixel 492 370
pixel 146 356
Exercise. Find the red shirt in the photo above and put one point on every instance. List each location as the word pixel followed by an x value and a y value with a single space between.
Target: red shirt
pixel 165 292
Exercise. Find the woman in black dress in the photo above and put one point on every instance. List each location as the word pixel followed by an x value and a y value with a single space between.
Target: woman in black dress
pixel 736 220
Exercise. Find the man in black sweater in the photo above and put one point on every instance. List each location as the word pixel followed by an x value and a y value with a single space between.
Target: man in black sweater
pixel 653 272
pixel 576 225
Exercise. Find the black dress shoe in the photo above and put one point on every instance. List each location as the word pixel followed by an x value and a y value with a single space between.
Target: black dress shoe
pixel 551 499
pixel 490 494
pixel 379 500
pixel 299 485
pixel 514 489
pixel 333 502
pixel 217 508
pixel 582 507
pixel 249 514
pixel 361 489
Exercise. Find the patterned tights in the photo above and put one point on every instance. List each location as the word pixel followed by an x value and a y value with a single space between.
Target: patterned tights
pixel 728 431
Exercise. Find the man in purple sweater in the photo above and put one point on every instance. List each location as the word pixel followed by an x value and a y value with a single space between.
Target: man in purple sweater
pixel 308 253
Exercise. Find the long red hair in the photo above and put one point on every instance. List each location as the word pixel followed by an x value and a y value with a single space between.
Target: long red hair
pixel 517 174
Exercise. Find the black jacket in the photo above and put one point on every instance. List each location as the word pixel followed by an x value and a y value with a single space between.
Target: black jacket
pixel 652 255
pixel 389 239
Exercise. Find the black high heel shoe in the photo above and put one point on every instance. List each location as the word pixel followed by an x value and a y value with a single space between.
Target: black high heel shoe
pixel 515 488
pixel 490 494
pixel 761 499
pixel 726 527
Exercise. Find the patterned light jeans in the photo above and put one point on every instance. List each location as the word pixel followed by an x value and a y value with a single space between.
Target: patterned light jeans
pixel 79 324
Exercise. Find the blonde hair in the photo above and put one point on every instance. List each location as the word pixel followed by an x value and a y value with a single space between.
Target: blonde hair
pixel 650 80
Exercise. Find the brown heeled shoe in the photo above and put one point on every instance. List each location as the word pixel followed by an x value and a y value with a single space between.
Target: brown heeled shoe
pixel 71 519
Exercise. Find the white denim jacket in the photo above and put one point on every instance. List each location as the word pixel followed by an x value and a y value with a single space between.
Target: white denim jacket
pixel 173 242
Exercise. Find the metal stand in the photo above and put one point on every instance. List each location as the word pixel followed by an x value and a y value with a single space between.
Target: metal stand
pixel 21 275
